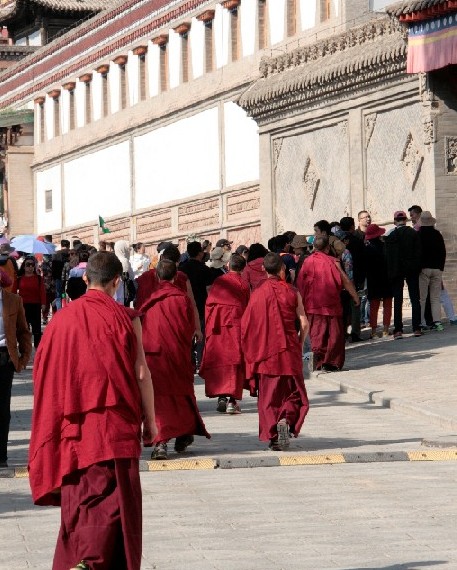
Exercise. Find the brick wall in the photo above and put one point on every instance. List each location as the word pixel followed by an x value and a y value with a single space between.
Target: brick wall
pixel 21 205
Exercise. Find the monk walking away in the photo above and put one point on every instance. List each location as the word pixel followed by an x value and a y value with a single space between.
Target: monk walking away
pixel 320 283
pixel 168 331
pixel 222 365
pixel 90 404
pixel 273 354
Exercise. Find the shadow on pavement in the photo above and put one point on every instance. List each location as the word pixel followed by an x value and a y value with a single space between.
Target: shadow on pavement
pixel 404 566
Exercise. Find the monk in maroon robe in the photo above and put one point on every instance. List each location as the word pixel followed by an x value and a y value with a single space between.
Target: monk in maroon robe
pixel 222 365
pixel 273 355
pixel 148 282
pixel 168 330
pixel 92 392
pixel 320 283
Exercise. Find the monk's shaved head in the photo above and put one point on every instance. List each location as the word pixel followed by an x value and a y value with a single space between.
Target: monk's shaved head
pixel 102 268
pixel 321 243
pixel 237 263
pixel 273 263
pixel 166 270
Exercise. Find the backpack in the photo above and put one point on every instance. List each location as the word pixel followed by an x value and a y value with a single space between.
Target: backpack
pixel 129 289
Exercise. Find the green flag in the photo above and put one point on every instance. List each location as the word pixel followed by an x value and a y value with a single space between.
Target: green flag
pixel 101 223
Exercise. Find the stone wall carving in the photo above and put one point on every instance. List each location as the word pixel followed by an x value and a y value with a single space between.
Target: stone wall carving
pixel 277 144
pixel 312 179
pixel 370 123
pixel 243 204
pixel 412 160
pixel 153 225
pixel 199 214
pixel 395 179
pixel 245 236
pixel 450 150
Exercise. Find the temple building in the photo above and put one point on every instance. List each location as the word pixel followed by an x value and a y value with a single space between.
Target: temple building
pixel 237 118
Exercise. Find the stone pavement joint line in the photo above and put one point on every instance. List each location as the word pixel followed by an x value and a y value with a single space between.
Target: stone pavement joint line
pixel 276 461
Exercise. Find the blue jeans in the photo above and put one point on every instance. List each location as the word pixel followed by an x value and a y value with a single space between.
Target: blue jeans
pixel 58 284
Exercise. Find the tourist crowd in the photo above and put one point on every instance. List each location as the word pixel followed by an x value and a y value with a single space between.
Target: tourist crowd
pixel 139 329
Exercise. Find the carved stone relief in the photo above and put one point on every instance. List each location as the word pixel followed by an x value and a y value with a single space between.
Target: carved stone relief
pixel 311 181
pixel 242 204
pixel 412 160
pixel 203 213
pixel 450 150
pixel 370 123
pixel 277 145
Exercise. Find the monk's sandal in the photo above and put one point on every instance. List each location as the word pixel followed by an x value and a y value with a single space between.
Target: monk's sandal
pixel 283 435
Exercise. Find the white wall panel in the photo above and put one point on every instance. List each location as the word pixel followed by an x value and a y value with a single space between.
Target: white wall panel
pixel 174 58
pixel 336 8
pixel 248 15
pixel 97 184
pixel 308 14
pixel 241 146
pixel 65 109
pixel 221 28
pixel 49 117
pixel 177 161
pixel 197 47
pixel 132 78
pixel 49 179
pixel 153 69
pixel 114 87
pixel 276 12
pixel 80 101
pixel 96 96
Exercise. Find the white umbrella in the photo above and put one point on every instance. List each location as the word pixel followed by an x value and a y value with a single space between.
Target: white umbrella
pixel 30 244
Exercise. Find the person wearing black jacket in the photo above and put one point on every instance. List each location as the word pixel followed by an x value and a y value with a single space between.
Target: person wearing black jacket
pixel 356 247
pixel 433 258
pixel 403 254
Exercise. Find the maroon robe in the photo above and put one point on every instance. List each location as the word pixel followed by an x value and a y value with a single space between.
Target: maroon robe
pixel 273 356
pixel 320 285
pixel 222 365
pixel 254 273
pixel 148 283
pixel 168 329
pixel 87 411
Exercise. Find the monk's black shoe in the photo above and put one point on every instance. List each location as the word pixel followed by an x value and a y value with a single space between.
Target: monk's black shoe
pixel 182 443
pixel 222 404
pixel 160 451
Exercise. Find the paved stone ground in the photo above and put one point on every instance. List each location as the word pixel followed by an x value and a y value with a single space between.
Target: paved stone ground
pixel 350 517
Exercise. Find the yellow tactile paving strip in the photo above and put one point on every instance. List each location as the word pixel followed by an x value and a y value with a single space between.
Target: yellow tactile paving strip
pixel 277 460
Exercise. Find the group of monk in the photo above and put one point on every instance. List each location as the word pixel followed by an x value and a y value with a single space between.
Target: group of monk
pixel 129 377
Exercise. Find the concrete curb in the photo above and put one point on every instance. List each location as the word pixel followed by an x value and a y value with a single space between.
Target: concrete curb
pixel 275 461
pixel 397 404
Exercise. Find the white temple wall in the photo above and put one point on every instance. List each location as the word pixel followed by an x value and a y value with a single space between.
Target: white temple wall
pixel 80 103
pixel 153 68
pixel 174 58
pixel 45 180
pixel 96 96
pixel 178 160
pixel 276 13
pixel 132 78
pixel 114 85
pixel 221 26
pixel 248 15
pixel 241 146
pixel 197 47
pixel 308 14
pixel 97 184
